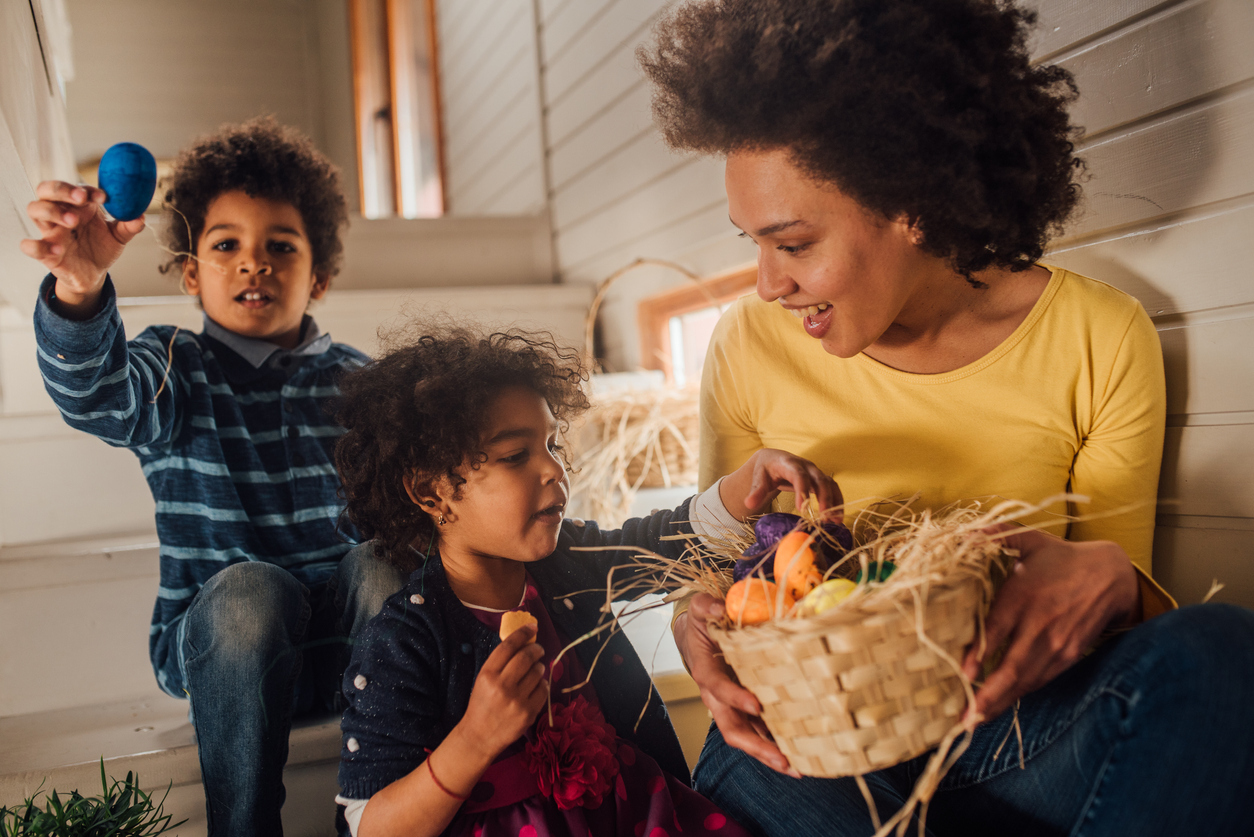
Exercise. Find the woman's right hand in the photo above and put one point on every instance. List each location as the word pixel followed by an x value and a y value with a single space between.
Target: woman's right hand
pixel 735 710
pixel 508 694
pixel 77 244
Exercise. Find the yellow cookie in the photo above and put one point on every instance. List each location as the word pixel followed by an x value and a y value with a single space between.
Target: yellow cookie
pixel 512 620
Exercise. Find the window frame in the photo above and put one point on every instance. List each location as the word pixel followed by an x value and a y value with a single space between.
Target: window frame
pixel 654 313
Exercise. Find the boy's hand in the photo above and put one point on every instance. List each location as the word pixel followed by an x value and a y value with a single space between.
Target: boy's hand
pixel 751 487
pixel 78 246
pixel 508 694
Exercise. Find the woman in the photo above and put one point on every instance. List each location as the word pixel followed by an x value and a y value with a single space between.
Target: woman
pixel 900 165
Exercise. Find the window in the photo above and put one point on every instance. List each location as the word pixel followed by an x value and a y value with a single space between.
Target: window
pixel 397 104
pixel 675 326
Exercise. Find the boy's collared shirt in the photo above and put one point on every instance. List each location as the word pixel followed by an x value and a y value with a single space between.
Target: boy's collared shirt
pixel 261 353
pixel 239 458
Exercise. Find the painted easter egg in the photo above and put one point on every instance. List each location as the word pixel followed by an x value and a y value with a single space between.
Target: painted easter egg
pixel 512 620
pixel 878 572
pixel 753 565
pixel 751 601
pixel 827 595
pixel 769 528
pixel 128 176
pixel 795 564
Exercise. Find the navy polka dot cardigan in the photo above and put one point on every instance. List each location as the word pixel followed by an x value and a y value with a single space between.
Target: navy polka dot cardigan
pixel 413 667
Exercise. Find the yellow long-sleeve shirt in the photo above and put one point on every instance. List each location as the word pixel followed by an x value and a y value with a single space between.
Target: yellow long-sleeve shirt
pixel 1074 400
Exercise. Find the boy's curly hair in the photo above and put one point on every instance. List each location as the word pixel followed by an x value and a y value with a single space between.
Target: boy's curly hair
pixel 929 109
pixel 422 409
pixel 265 160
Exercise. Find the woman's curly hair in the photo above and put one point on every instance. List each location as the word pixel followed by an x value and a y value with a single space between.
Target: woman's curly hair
pixel 422 409
pixel 265 160
pixel 927 109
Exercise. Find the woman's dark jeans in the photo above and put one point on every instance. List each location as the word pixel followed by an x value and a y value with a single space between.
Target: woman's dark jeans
pixel 1152 734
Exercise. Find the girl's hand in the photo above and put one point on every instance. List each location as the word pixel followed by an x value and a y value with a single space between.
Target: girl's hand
pixel 77 244
pixel 735 710
pixel 752 487
pixel 1059 598
pixel 508 694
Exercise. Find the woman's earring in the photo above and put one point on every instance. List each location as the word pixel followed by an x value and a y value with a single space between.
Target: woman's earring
pixel 442 520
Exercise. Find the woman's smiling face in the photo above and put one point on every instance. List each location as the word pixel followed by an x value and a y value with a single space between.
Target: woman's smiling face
pixel 845 271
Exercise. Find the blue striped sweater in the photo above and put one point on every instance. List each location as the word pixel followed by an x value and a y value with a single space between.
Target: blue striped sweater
pixel 239 459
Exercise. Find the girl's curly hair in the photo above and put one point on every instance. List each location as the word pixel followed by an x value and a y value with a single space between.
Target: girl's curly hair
pixel 929 109
pixel 422 409
pixel 265 160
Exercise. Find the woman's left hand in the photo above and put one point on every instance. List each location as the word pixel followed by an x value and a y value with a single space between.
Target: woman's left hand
pixel 1059 598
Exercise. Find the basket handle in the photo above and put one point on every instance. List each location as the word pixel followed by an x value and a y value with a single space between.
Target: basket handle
pixel 590 320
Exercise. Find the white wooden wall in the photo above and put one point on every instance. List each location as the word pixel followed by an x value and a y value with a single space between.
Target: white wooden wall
pixel 617 192
pixel 1167 100
pixel 494 150
pixel 1168 108
pixel 162 72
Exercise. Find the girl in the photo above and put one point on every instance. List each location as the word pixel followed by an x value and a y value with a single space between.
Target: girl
pixel 451 464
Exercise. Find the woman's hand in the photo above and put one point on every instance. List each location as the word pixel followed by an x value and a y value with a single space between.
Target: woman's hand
pixel 734 708
pixel 77 244
pixel 1059 598
pixel 508 694
pixel 752 487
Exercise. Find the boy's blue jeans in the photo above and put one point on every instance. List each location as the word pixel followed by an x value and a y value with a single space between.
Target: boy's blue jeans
pixel 1152 734
pixel 257 648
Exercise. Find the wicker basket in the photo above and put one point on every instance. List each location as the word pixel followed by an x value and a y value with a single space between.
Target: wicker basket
pixel 855 690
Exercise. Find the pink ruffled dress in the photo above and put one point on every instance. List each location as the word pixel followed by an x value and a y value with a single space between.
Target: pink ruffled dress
pixel 572 776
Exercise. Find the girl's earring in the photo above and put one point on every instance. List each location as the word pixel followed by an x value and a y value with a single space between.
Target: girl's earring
pixel 442 520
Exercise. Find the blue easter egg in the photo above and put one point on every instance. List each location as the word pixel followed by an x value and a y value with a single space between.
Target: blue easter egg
pixel 128 176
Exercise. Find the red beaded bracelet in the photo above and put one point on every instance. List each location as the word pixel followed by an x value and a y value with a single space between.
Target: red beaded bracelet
pixel 438 783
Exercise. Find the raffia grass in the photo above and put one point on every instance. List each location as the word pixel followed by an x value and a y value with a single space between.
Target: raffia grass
pixel 877 679
pixel 633 440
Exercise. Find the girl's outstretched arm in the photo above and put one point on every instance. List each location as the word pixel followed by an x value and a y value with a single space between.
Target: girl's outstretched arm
pixel 508 694
pixel 752 487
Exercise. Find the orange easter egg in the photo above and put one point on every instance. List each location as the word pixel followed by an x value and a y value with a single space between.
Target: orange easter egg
pixel 512 620
pixel 751 601
pixel 795 564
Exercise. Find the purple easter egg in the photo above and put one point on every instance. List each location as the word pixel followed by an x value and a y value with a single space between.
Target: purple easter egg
pixel 771 527
pixel 840 534
pixel 746 567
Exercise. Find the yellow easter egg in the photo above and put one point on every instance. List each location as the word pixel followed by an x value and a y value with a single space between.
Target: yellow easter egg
pixel 827 595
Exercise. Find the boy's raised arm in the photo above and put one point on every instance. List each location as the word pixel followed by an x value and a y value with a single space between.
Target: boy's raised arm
pixel 125 395
pixel 77 243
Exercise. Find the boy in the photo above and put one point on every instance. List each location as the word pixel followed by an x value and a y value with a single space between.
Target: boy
pixel 229 425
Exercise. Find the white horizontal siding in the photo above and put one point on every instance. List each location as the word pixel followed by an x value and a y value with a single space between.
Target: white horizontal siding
pixel 1178 55
pixel 616 192
pixel 177 84
pixel 1062 24
pixel 627 170
pixel 1167 99
pixel 494 151
pixel 620 122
